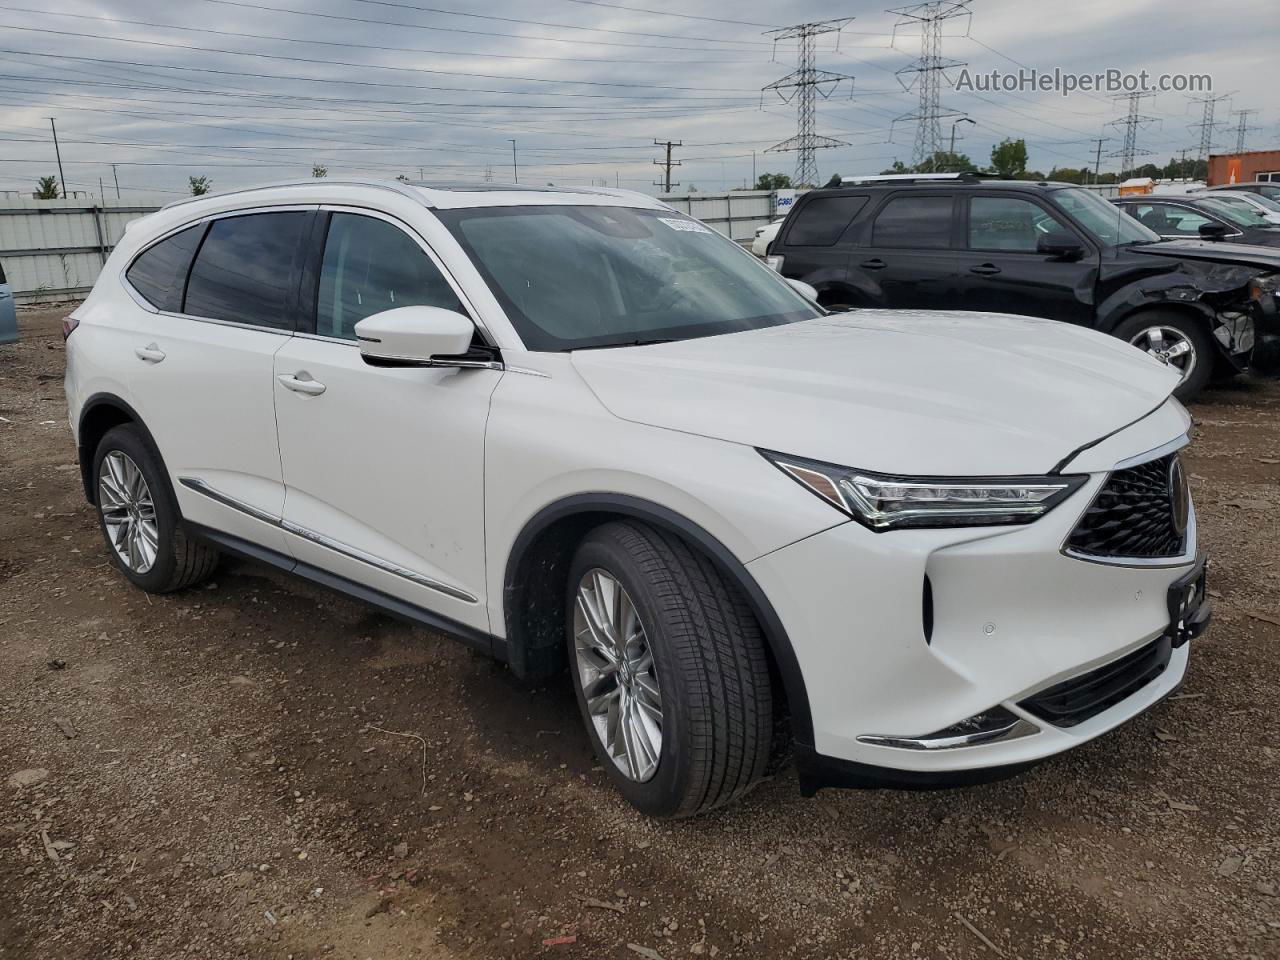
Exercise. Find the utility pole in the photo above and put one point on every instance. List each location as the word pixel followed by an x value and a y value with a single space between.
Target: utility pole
pixel 1097 156
pixel 1206 126
pixel 116 176
pixel 754 179
pixel 802 85
pixel 666 182
pixel 951 154
pixel 1243 129
pixel 58 153
pixel 1131 122
pixel 929 70
pixel 515 170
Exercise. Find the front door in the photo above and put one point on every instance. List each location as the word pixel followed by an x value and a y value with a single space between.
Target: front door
pixel 383 467
pixel 1002 273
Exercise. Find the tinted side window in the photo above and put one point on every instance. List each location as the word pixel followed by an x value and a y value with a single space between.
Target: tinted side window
pixel 370 266
pixel 914 222
pixel 244 270
pixel 1167 219
pixel 820 222
pixel 1008 223
pixel 161 272
pixel 2 279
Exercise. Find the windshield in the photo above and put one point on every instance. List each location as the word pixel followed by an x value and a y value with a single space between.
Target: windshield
pixel 1108 223
pixel 571 277
pixel 1240 212
pixel 1257 199
pixel 1271 193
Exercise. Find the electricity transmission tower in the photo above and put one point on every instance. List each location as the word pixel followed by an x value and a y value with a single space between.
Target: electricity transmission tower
pixel 1131 122
pixel 1207 126
pixel 666 182
pixel 929 71
pixel 803 85
pixel 1243 129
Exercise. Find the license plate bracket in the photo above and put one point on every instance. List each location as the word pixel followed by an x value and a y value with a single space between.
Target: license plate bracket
pixel 1190 609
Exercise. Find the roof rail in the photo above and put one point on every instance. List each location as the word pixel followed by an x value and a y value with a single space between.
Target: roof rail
pixel 911 178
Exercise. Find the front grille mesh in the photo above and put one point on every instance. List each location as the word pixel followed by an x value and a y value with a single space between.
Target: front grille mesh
pixel 1132 516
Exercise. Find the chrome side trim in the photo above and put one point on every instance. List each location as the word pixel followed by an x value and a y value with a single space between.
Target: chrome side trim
pixel 1017 729
pixel 199 486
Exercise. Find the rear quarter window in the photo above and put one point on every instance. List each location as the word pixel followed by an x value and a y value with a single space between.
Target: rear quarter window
pixel 160 273
pixel 821 221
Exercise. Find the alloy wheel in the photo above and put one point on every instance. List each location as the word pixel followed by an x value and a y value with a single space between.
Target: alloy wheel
pixel 617 674
pixel 128 512
pixel 1168 345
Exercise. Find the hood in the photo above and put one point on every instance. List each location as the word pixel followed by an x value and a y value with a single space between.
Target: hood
pixel 891 391
pixel 1246 254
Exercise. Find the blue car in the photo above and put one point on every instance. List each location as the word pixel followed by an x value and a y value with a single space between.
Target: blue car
pixel 8 316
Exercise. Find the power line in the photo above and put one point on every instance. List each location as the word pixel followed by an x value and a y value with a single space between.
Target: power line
pixel 805 82
pixel 348 45
pixel 928 70
pixel 666 182
pixel 665 13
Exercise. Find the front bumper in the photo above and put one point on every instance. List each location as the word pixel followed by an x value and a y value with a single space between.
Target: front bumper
pixel 911 633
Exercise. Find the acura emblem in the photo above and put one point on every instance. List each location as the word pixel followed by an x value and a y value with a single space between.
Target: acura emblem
pixel 1179 496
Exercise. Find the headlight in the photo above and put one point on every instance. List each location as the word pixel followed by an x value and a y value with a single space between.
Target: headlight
pixel 1268 285
pixel 884 502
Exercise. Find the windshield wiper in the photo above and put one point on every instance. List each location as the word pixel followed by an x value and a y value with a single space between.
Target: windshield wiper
pixel 620 343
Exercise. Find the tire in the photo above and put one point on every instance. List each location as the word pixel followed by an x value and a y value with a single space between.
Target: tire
pixel 161 558
pixel 1139 329
pixel 707 655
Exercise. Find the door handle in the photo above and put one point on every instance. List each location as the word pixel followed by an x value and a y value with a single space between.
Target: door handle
pixel 301 382
pixel 150 353
pixel 873 264
pixel 985 270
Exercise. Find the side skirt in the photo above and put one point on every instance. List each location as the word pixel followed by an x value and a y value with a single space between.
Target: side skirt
pixel 495 647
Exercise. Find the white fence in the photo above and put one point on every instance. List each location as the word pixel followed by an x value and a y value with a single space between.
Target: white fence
pixel 735 214
pixel 52 249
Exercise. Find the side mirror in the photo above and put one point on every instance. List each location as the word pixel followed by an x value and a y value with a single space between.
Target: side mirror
pixel 415 337
pixel 1212 231
pixel 804 289
pixel 1060 245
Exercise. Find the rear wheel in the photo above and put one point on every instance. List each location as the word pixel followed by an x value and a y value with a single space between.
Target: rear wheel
pixel 1182 342
pixel 670 671
pixel 139 517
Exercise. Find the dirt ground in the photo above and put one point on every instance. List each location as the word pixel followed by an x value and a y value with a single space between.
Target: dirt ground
pixel 236 771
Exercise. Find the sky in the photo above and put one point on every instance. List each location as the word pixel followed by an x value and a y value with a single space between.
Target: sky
pixel 246 93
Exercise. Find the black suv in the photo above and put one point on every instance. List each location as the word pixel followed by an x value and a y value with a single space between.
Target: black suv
pixel 963 242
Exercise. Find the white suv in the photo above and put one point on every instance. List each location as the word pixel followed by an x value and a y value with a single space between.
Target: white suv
pixel 574 428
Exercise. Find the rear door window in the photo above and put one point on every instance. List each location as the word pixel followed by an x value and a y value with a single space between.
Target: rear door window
pixel 245 270
pixel 914 223
pixel 160 273
pixel 820 222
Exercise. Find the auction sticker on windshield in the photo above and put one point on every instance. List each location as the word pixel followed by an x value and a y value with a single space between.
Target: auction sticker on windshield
pixel 688 226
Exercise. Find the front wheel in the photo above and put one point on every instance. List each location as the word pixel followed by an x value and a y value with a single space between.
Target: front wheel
pixel 670 671
pixel 1182 342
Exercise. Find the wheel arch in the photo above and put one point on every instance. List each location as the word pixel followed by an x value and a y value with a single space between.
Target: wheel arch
pixel 100 413
pixel 534 587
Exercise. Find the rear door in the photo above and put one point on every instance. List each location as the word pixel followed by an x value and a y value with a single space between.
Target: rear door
pixel 1001 271
pixel 383 467
pixel 910 260
pixel 201 360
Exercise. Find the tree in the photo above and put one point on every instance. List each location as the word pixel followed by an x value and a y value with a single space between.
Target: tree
pixel 319 170
pixel 1069 174
pixel 47 188
pixel 1009 157
pixel 200 185
pixel 836 180
pixel 773 181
